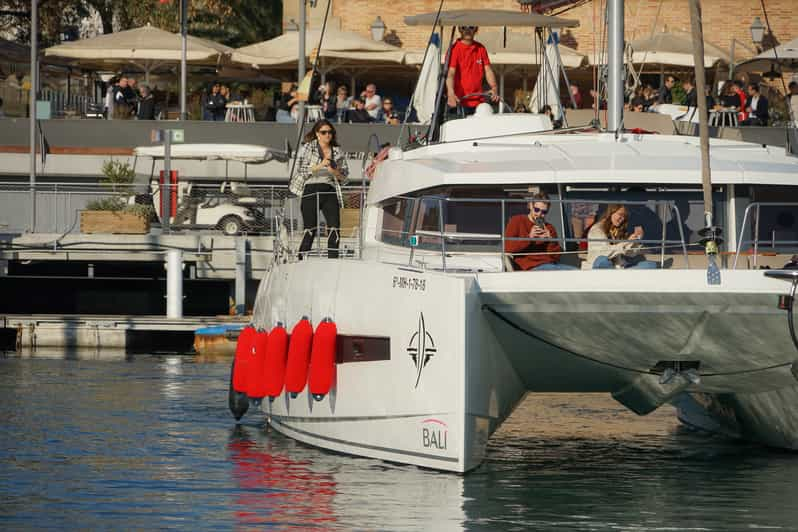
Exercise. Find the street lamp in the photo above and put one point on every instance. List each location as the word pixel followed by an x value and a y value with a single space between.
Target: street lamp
pixel 377 29
pixel 757 31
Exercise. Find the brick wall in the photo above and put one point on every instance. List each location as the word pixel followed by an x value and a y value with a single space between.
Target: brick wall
pixel 723 19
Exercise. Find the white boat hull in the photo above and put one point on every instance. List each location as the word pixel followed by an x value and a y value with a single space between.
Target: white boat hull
pixel 490 338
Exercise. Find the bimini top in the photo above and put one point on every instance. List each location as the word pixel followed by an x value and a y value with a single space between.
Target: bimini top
pixel 579 159
pixel 245 153
pixel 490 17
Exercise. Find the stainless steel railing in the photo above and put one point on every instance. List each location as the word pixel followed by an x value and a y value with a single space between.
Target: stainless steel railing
pixel 753 216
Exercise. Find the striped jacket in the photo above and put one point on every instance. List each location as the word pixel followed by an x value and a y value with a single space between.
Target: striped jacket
pixel 309 156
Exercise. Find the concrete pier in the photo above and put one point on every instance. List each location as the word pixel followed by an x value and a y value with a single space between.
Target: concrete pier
pixel 112 332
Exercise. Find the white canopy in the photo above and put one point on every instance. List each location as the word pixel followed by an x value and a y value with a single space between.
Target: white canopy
pixel 674 48
pixel 245 153
pixel 783 57
pixel 146 43
pixel 520 49
pixel 489 17
pixel 282 51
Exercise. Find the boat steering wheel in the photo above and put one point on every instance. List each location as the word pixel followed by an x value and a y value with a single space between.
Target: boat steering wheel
pixel 486 95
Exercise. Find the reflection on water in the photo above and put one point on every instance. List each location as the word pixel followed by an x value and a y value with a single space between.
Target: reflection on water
pixel 147 442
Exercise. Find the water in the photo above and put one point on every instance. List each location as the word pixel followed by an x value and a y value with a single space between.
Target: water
pixel 146 442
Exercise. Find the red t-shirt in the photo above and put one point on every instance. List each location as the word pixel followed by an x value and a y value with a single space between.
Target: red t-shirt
pixel 469 62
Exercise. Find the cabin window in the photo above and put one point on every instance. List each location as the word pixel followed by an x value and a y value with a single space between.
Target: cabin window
pixel 395 221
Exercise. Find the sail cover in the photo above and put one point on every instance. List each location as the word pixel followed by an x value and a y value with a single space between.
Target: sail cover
pixel 427 86
pixel 547 87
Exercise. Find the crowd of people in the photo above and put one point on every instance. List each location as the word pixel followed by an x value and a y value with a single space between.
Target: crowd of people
pixel 124 100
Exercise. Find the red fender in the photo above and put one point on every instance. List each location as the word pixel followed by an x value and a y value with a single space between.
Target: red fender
pixel 322 359
pixel 276 354
pixel 246 341
pixel 256 380
pixel 296 370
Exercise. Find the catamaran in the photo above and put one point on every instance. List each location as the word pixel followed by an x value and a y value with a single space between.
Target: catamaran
pixel 417 345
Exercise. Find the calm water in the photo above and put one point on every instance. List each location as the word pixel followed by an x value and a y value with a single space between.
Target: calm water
pixel 146 442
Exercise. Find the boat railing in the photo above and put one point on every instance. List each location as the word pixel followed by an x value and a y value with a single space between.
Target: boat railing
pixel 436 237
pixel 752 225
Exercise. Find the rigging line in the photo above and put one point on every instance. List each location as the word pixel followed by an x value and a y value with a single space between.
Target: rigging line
pixel 651 36
pixel 532 335
pixel 301 128
pixel 617 366
pixel 423 60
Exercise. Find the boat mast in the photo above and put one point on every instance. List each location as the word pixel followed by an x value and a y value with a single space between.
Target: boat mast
pixel 615 77
pixel 700 87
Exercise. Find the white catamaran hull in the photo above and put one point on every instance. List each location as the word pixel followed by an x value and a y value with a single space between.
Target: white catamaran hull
pixel 463 350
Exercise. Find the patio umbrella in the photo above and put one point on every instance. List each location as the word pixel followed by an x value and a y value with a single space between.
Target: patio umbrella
pixel 339 48
pixel 784 57
pixel 674 49
pixel 146 48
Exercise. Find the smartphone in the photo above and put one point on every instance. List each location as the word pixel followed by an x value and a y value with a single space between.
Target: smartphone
pixel 540 223
pixel 639 230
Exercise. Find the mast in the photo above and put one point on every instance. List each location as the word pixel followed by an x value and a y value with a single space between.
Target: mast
pixel 710 233
pixel 615 75
pixel 700 87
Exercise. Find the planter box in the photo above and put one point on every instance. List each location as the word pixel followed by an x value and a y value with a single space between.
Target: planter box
pixel 121 223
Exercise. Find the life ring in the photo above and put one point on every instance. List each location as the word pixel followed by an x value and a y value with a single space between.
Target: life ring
pixel 322 359
pixel 296 370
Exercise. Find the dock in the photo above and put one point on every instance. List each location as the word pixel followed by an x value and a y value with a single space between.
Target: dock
pixel 34 331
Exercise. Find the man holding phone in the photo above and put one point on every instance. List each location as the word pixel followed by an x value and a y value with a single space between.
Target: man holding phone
pixel 539 249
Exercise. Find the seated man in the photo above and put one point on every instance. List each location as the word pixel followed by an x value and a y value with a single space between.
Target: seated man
pixel 358 115
pixel 531 254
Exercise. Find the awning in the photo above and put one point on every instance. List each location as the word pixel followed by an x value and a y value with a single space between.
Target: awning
pixel 490 17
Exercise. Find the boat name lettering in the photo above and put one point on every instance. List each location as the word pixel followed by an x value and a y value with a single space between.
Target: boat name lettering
pixel 414 284
pixel 434 434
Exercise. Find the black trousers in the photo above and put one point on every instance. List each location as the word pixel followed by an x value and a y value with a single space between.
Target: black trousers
pixel 328 204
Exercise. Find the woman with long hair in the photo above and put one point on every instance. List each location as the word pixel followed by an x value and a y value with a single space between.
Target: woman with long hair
pixel 321 169
pixel 610 245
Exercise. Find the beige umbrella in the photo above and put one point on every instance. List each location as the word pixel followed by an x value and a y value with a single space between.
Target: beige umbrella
pixel 146 47
pixel 338 48
pixel 784 58
pixel 674 49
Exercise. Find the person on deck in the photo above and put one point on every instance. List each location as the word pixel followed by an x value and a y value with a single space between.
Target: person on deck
pixel 665 92
pixel 321 169
pixel 468 65
pixel 792 101
pixel 543 251
pixel 610 245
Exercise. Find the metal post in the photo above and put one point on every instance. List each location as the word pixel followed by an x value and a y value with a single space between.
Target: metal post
pixel 615 48
pixel 241 275
pixel 34 70
pixel 503 236
pixel 318 225
pixel 174 284
pixel 756 236
pixel 183 52
pixel 300 64
pixel 166 189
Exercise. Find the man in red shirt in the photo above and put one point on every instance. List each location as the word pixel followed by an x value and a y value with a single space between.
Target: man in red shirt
pixel 530 254
pixel 468 63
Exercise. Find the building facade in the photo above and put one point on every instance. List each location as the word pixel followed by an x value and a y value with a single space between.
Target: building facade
pixel 724 20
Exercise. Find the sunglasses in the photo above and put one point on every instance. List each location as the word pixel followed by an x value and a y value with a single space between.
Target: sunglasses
pixel 540 211
pixel 325 132
pixel 467 28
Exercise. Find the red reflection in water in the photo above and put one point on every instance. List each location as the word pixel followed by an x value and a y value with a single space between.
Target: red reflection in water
pixel 278 490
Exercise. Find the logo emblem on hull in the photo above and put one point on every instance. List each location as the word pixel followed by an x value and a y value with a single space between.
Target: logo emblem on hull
pixel 421 347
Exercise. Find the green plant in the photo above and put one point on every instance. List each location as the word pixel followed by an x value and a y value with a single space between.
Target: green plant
pixel 119 175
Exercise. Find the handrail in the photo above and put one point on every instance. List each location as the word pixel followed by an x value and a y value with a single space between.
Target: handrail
pixel 755 240
pixel 502 202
